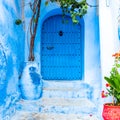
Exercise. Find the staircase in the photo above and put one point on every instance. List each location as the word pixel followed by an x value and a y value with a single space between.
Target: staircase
pixel 61 100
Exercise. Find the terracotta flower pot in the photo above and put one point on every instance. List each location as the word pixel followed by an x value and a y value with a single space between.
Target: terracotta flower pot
pixel 111 112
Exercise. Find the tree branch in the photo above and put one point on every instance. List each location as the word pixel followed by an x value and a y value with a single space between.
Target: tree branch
pixel 32 39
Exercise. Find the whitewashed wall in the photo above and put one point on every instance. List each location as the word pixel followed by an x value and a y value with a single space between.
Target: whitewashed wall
pixel 109 42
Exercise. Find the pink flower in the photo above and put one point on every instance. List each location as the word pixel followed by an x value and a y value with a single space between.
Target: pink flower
pixel 104 94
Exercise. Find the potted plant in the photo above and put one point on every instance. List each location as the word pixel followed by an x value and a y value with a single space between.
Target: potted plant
pixel 111 111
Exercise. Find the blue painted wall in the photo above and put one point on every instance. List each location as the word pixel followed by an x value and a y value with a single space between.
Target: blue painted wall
pixel 12 46
pixel 92 67
pixel 12 41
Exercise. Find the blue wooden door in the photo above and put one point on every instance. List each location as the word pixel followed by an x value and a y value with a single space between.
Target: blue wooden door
pixel 61 49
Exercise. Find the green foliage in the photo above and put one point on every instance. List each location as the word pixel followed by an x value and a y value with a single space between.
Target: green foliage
pixel 114 80
pixel 18 21
pixel 72 7
pixel 46 3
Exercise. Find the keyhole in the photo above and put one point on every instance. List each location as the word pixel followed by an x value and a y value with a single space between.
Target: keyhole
pixel 60 33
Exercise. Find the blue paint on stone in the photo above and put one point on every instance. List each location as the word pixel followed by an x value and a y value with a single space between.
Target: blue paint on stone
pixel 12 42
pixel 13 39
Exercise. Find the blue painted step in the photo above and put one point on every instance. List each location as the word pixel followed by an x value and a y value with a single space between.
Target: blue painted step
pixel 60 100
pixel 65 89
pixel 57 105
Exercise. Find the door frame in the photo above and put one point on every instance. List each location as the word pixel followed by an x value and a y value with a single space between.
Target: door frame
pixel 81 22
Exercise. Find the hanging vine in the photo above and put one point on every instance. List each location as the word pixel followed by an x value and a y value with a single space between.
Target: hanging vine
pixel 73 7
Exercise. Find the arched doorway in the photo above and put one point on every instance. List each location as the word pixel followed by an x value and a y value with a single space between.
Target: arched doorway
pixel 62 49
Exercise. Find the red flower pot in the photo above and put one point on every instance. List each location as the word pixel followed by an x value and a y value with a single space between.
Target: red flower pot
pixel 111 112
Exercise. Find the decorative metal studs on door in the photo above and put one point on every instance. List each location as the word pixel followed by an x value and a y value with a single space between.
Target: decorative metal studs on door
pixel 60 33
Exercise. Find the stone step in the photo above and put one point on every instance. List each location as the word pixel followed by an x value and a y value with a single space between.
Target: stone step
pixel 65 89
pixel 65 102
pixel 52 116
pixel 50 84
pixel 68 93
pixel 58 105
pixel 61 100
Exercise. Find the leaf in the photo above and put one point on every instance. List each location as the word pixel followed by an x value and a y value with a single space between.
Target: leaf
pixel 46 3
pixel 18 21
pixel 114 82
pixel 118 65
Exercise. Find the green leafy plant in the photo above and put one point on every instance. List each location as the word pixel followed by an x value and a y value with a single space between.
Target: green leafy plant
pixel 114 80
pixel 76 8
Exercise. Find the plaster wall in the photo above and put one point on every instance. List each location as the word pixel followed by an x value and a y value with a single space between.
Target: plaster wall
pixel 101 41
pixel 91 46
pixel 14 39
pixel 91 43
pixel 109 42
pixel 11 41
